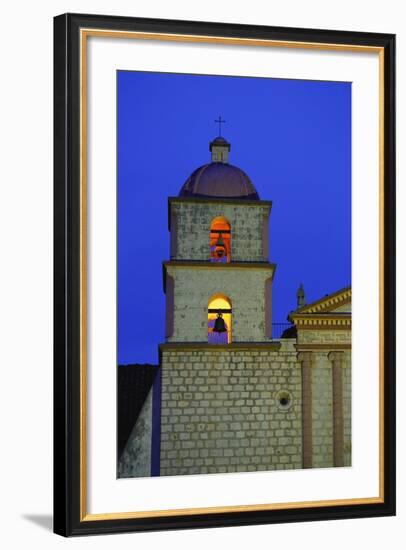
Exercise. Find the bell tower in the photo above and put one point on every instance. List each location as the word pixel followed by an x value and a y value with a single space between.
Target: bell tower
pixel 219 248
pixel 218 286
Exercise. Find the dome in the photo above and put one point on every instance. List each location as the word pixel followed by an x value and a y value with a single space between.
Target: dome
pixel 219 140
pixel 220 180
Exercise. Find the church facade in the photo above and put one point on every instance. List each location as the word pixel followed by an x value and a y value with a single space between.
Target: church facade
pixel 232 398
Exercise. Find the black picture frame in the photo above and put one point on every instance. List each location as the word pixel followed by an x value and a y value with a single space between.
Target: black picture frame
pixel 68 520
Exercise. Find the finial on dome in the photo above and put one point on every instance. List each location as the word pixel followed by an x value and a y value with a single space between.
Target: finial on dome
pixel 220 149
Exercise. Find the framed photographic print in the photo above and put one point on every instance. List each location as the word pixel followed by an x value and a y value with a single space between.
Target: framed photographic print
pixel 224 274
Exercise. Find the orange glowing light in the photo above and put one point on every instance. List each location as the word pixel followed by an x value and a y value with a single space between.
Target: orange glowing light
pixel 219 302
pixel 220 240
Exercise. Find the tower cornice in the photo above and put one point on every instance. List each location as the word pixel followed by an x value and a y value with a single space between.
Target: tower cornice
pixel 204 264
pixel 222 200
pixel 233 346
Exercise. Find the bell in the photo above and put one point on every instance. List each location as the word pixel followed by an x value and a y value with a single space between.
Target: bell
pixel 219 324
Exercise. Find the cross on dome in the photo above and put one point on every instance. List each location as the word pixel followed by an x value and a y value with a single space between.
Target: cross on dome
pixel 220 121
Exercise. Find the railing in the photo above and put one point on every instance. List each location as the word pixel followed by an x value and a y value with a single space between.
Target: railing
pixel 279 328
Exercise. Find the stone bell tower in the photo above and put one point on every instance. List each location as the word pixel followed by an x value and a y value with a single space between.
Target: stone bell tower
pixel 219 248
pixel 212 380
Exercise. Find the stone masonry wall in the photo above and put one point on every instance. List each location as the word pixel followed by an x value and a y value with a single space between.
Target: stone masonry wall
pixel 324 336
pixel 322 393
pixel 322 409
pixel 221 410
pixel 193 287
pixel 193 229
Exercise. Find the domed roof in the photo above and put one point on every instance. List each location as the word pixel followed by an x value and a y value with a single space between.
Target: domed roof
pixel 219 140
pixel 221 180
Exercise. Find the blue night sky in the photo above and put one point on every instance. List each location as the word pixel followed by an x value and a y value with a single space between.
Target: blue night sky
pixel 292 137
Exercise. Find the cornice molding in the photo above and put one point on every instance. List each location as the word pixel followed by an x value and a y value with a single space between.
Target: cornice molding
pixel 218 200
pixel 205 346
pixel 340 321
pixel 323 347
pixel 204 264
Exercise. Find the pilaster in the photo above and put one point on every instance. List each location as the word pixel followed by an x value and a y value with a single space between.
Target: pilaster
pixel 305 358
pixel 338 432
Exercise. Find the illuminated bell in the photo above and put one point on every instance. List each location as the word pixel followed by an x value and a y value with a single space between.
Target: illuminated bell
pixel 219 324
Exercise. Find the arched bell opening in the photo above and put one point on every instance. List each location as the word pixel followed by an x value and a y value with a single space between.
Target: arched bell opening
pixel 219 320
pixel 220 240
